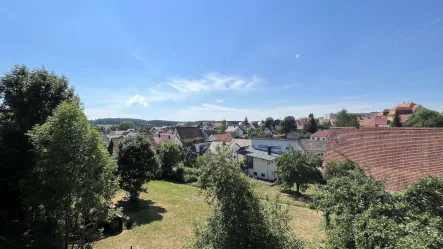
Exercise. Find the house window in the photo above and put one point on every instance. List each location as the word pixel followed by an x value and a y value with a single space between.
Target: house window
pixel 255 173
pixel 324 138
pixel 249 162
pixel 263 175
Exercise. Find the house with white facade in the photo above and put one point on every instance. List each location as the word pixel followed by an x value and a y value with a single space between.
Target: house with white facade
pixel 320 135
pixel 235 129
pixel 261 158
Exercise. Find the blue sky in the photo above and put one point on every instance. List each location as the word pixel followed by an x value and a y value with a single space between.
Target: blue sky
pixel 193 60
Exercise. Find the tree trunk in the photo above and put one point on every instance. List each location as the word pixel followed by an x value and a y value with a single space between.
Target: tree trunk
pixel 297 189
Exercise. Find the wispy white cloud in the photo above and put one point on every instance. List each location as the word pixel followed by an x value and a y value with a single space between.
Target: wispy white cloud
pixel 180 88
pixel 138 57
pixel 291 86
pixel 137 100
pixel 297 56
pixel 214 82
pixel 219 100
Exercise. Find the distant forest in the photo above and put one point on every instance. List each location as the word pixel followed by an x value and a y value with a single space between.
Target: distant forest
pixel 142 122
pixel 137 122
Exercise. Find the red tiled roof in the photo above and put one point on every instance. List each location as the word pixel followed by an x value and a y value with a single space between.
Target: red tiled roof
pixel 222 137
pixel 402 106
pixel 301 121
pixel 402 154
pixel 157 139
pixel 404 117
pixel 322 133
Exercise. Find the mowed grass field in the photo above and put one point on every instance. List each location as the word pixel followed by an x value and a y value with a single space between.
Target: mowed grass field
pixel 168 211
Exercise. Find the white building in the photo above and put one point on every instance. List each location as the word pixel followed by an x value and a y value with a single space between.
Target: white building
pixel 235 129
pixel 261 157
pixel 320 135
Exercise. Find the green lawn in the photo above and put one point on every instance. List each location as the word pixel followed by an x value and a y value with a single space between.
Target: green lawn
pixel 168 211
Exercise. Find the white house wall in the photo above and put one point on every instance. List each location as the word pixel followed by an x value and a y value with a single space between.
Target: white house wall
pixel 263 169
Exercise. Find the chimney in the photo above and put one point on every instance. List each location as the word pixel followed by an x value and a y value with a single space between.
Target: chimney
pixel 159 135
pixel 169 137
pixel 269 150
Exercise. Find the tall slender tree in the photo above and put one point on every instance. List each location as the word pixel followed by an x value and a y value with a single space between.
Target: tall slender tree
pixel 396 122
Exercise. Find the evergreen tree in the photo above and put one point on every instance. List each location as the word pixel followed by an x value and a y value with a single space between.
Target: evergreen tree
pixel 396 121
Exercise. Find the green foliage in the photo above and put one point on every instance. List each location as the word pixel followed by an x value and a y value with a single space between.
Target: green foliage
pixel 396 122
pixel 299 168
pixel 186 175
pixel 339 168
pixel 269 122
pixel 257 133
pixel 311 125
pixel 287 125
pixel 169 154
pixel 345 119
pixel 357 209
pixel 27 98
pixel 137 164
pixel 240 219
pixel 126 125
pixel 360 213
pixel 74 178
pixel 202 161
pixel 222 128
pixel 425 118
pixel 323 126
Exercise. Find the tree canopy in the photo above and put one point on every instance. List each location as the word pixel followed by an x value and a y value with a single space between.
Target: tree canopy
pixel 345 119
pixel 74 178
pixel 240 219
pixel 299 168
pixel 287 125
pixel 137 164
pixel 170 155
pixel 425 118
pixel 27 98
pixel 311 125
pixel 126 125
pixel 269 122
pixel 360 213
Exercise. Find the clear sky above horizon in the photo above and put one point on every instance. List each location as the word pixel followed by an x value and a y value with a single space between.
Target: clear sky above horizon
pixel 213 60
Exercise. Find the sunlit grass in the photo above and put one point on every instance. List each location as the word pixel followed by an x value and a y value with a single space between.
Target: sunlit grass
pixel 168 210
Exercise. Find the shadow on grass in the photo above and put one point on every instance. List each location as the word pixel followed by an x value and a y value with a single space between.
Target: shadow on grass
pixel 142 211
pixel 298 196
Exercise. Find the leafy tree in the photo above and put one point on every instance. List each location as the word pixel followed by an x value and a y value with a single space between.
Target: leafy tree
pixel 323 126
pixel 240 219
pixel 287 125
pixel 360 213
pixel 170 154
pixel 260 132
pixel 137 164
pixel 345 119
pixel 299 168
pixel 339 168
pixel 222 128
pixel 27 98
pixel 396 122
pixel 311 125
pixel 126 125
pixel 73 180
pixel 425 118
pixel 269 122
